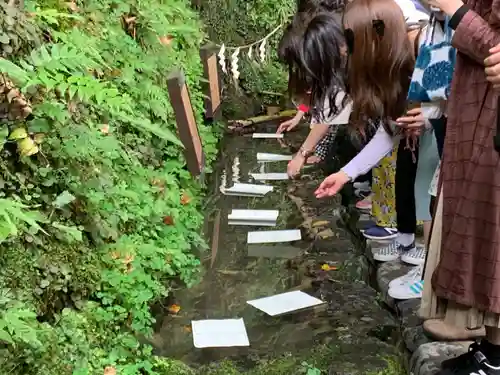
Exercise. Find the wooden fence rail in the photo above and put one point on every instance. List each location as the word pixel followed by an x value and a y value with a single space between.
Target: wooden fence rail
pixel 212 88
pixel 184 115
pixel 186 122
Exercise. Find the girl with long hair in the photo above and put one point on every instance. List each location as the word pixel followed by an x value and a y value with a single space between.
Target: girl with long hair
pixel 381 63
pixel 322 84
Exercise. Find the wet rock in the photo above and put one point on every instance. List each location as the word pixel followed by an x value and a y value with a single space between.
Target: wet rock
pixel 414 337
pixel 408 312
pixel 428 357
pixel 387 272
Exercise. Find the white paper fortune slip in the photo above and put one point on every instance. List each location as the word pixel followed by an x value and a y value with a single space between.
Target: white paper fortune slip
pixel 285 302
pixel 262 156
pixel 248 190
pixel 273 236
pixel 219 333
pixel 253 217
pixel 267 135
pixel 269 176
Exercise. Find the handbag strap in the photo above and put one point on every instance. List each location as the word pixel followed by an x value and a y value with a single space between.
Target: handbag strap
pixel 496 137
pixel 416 42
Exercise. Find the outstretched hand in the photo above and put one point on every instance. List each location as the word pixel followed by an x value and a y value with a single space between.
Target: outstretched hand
pixel 288 125
pixel 332 185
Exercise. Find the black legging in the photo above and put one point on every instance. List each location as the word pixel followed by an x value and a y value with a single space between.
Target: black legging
pixel 406 173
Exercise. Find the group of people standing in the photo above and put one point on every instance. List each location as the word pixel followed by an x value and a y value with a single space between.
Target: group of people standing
pixel 416 84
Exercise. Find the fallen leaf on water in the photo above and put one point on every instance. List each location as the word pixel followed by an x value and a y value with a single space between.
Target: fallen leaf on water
pixel 327 233
pixel 327 267
pixel 109 371
pixel 174 309
pixel 320 223
pixel 168 220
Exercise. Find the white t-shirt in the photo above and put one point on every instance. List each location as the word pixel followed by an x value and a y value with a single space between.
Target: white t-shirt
pixel 341 118
pixel 410 11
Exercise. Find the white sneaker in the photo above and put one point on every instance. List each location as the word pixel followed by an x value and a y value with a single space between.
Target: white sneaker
pixel 362 186
pixel 414 275
pixel 407 291
pixel 415 256
pixel 391 252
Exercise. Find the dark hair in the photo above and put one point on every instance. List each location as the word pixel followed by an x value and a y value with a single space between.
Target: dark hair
pixel 320 5
pixel 322 63
pixel 381 60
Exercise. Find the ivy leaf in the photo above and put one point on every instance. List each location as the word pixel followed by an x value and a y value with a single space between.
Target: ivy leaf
pixel 4 336
pixel 15 72
pixel 72 233
pixel 63 199
pixel 4 39
pixel 4 134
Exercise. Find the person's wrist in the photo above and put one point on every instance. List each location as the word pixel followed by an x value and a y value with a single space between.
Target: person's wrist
pixel 451 7
pixel 346 175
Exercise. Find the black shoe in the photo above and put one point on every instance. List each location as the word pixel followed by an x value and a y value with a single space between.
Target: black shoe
pixel 461 360
pixel 471 363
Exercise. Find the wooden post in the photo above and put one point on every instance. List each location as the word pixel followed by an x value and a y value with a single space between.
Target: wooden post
pixel 186 123
pixel 212 87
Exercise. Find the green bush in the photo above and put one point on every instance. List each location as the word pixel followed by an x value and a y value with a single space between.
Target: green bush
pixel 98 214
pixel 240 22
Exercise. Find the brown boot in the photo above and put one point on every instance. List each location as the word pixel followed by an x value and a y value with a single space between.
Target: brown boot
pixel 440 330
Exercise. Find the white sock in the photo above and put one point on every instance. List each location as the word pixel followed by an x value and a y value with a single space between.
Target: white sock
pixel 405 239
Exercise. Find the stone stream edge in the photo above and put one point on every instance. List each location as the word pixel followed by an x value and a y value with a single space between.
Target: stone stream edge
pixel 331 227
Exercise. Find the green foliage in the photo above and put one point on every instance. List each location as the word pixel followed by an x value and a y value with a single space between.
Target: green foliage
pixel 239 22
pixel 98 214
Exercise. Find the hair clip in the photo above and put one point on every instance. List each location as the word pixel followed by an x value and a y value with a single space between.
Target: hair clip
pixel 379 27
pixel 349 39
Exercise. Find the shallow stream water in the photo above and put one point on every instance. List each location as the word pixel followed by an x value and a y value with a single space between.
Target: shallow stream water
pixel 235 272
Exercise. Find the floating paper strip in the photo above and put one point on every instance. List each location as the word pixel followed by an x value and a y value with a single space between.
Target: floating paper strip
pixel 285 302
pixel 252 223
pixel 221 333
pixel 261 156
pixel 267 135
pixel 273 236
pixel 254 215
pixel 269 176
pixel 248 190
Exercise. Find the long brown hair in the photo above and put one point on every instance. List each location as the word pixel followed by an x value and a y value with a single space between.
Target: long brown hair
pixel 381 59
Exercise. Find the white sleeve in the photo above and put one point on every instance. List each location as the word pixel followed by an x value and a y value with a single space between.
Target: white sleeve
pixel 379 146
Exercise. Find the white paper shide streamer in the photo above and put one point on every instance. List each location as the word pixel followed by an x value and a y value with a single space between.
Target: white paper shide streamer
pixel 250 53
pixel 262 50
pixel 222 58
pixel 234 64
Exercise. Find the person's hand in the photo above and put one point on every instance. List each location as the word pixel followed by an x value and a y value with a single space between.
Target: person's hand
pixel 492 64
pixel 447 6
pixel 413 120
pixel 295 165
pixel 332 185
pixel 289 124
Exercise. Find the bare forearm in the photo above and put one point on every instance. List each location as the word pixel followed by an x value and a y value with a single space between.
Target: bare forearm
pixel 315 136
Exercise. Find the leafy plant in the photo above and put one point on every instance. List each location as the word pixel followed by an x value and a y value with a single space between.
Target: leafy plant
pixel 98 213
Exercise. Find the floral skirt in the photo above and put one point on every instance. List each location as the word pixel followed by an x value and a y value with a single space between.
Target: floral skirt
pixel 384 194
